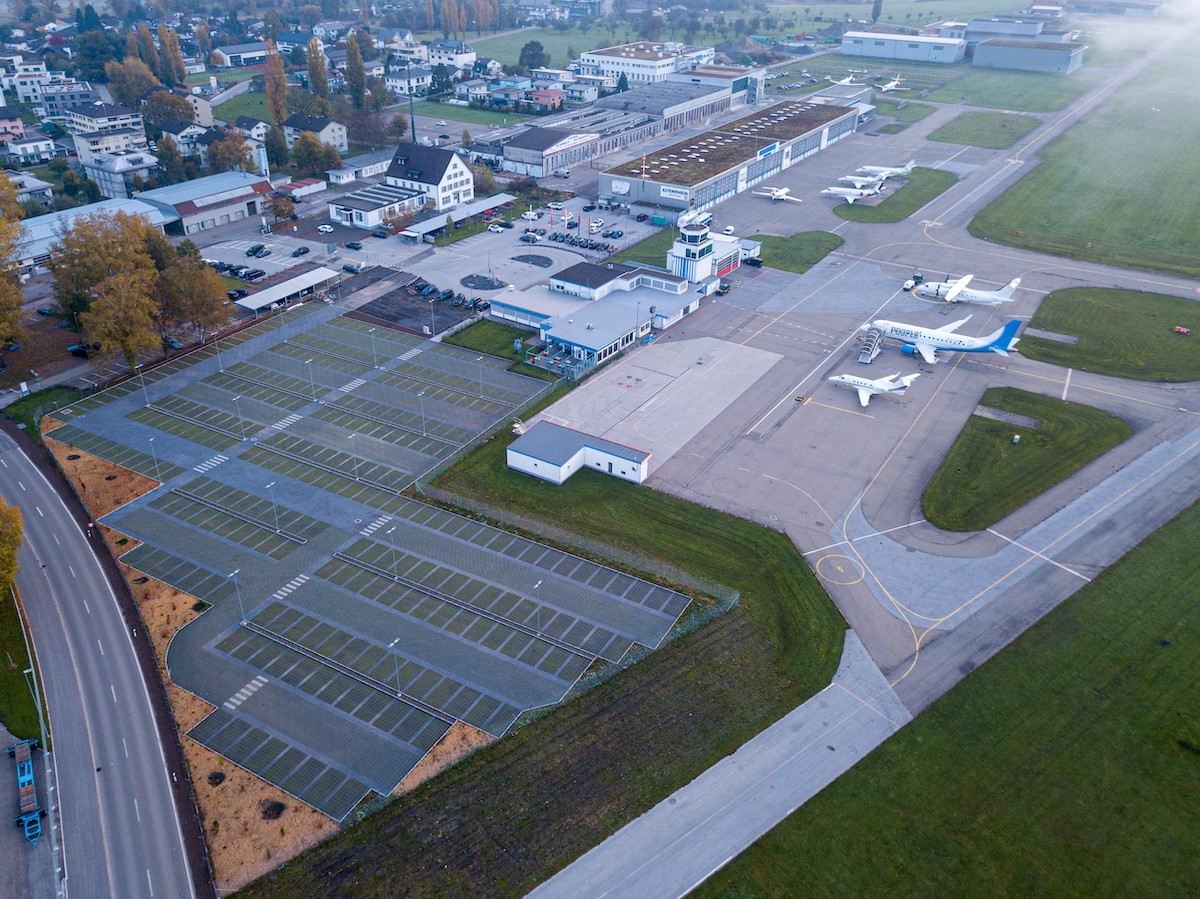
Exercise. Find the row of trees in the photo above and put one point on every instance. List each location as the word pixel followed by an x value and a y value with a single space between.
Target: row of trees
pixel 125 285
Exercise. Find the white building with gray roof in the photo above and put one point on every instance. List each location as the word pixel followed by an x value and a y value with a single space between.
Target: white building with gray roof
pixel 554 453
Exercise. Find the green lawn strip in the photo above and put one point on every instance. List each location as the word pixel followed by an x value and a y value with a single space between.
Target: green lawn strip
pixel 225 76
pixel 985 476
pixel 17 710
pixel 496 339
pixel 651 251
pixel 1088 197
pixel 250 104
pixel 1124 333
pixel 1065 766
pixel 913 112
pixel 477 224
pixel 924 186
pixel 465 114
pixel 797 253
pixel 1022 91
pixel 995 130
pixel 28 410
pixel 507 49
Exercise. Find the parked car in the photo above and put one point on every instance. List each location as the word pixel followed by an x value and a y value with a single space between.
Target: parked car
pixel 617 234
pixel 254 274
pixel 428 289
pixel 441 124
pixel 554 206
pixel 443 137
pixel 253 251
pixel 505 224
pixel 353 245
pixel 590 207
pixel 300 251
pixel 263 253
pixel 381 233
pixel 753 262
pixel 529 238
pixel 723 289
pixel 172 344
pixel 446 294
pixel 354 267
pixel 574 224
pixel 495 228
pixel 728 230
pixel 641 217
pixel 325 229
pixel 45 310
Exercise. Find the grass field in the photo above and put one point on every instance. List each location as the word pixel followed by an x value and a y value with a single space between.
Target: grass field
pixel 1022 91
pixel 225 76
pixel 985 476
pixel 1066 766
pixel 1124 333
pixel 17 710
pixel 29 410
pixel 797 253
pixel 913 112
pixel 651 251
pixel 1102 191
pixel 507 49
pixel 995 130
pixel 517 811
pixel 924 186
pixel 250 104
pixel 496 339
pixel 464 114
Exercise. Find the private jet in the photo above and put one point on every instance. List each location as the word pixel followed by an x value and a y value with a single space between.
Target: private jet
pixel 850 194
pixel 861 181
pixel 927 341
pixel 957 292
pixel 867 388
pixel 893 85
pixel 777 193
pixel 848 81
pixel 886 172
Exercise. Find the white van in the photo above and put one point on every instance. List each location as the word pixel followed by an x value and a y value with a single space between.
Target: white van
pixel 529 216
pixel 555 206
pixel 562 173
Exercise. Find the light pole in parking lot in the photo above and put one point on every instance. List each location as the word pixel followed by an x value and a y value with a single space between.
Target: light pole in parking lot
pixel 537 605
pixel 421 397
pixel 432 327
pixel 311 385
pixel 392 540
pixel 154 455
pixel 238 407
pixel 479 362
pixel 233 577
pixel 274 508
pixel 374 358
pixel 355 455
pixel 142 377
pixel 396 663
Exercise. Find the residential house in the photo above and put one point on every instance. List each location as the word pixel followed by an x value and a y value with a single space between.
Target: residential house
pixel 520 82
pixel 506 97
pixel 255 129
pixel 544 101
pixel 105 128
pixel 486 67
pixel 11 125
pixel 194 65
pixel 330 32
pixel 579 93
pixel 442 176
pixel 290 40
pixel 542 10
pixel 217 135
pixel 329 132
pixel 336 59
pixel 202 110
pixel 454 54
pixel 413 80
pixel 31 189
pixel 235 56
pixel 121 173
pixel 33 147
pixel 474 90
pixel 58 98
pixel 185 134
pixel 547 77
pixel 401 44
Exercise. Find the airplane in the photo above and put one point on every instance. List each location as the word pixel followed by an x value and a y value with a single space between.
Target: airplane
pixel 861 181
pixel 777 193
pixel 886 172
pixel 926 341
pixel 867 388
pixel 850 194
pixel 848 81
pixel 893 85
pixel 957 292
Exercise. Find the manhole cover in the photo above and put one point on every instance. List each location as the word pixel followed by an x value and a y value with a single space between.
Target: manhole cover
pixel 483 282
pixel 539 261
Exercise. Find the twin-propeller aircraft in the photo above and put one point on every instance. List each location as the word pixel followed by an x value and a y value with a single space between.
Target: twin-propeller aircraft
pixel 957 291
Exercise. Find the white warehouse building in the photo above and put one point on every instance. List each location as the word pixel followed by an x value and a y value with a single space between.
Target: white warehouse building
pixel 554 453
pixel 910 47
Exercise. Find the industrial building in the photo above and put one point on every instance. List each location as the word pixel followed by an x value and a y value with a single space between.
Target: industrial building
pixel 542 151
pixel 702 171
pixel 554 453
pixel 40 233
pixel 908 47
pixel 205 203
pixel 643 62
pixel 1029 56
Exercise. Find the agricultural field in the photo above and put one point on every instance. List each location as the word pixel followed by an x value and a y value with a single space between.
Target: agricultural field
pixel 1123 333
pixel 797 253
pixel 1065 766
pixel 994 130
pixel 985 475
pixel 1088 198
pixel 250 104
pixel 924 186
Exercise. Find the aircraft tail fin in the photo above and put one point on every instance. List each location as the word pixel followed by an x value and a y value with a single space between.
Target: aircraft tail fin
pixel 1006 338
pixel 908 379
pixel 1007 290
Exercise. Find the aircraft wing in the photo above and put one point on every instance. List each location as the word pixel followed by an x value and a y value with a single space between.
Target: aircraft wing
pixel 954 326
pixel 927 352
pixel 864 396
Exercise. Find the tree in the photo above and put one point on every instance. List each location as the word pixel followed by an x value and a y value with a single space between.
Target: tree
pixel 201 39
pixel 622 83
pixel 164 105
pixel 92 51
pixel 466 137
pixel 273 24
pixel 10 240
pixel 276 144
pixel 442 80
pixel 170 162
pixel 572 53
pixel 533 56
pixel 165 65
pixel 130 81
pixel 381 97
pixel 275 85
pixel 11 528
pixel 282 208
pixel 309 16
pixel 309 153
pixel 356 74
pixel 146 50
pixel 192 293
pixel 172 58
pixel 318 78
pixel 333 159
pixel 485 180
pixel 96 247
pixel 121 317
pixel 230 154
pixel 399 126
pixel 367 128
pixel 91 21
pixel 298 57
pixel 876 10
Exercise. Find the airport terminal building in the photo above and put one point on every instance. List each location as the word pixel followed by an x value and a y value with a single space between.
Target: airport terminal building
pixel 702 171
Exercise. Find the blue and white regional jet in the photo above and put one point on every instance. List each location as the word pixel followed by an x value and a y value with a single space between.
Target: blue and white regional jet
pixel 927 341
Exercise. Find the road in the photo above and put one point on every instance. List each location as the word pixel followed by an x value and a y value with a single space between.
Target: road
pixel 121 835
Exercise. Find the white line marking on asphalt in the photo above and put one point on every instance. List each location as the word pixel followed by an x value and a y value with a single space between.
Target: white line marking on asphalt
pixel 126 747
pixel 114 692
pixel 87 607
pixel 41 514
pixel 1067 384
pixel 137 811
pixel 149 882
pixel 22 486
pixel 101 645
pixel 2 462
pixel 56 543
pixel 898 527
pixel 72 570
pixel 1034 552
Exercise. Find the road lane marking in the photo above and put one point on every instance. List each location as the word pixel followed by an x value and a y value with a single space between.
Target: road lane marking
pixel 72 570
pixel 898 527
pixel 125 746
pixel 114 692
pixel 41 514
pixel 149 882
pixel 56 543
pixel 1067 384
pixel 101 645
pixel 22 486
pixel 2 462
pixel 86 607
pixel 137 811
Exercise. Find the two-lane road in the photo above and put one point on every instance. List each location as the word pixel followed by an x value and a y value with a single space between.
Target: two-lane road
pixel 121 835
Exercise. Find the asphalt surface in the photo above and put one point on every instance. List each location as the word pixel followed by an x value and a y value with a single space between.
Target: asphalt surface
pixel 121 833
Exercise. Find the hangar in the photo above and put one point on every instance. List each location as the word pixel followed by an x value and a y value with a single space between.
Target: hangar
pixel 911 47
pixel 211 201
pixel 704 170
pixel 1029 56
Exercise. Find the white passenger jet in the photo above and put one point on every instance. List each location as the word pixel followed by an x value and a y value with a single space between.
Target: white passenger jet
pixel 885 172
pixel 927 341
pixel 957 292
pixel 861 181
pixel 867 388
pixel 850 194
pixel 777 193
pixel 893 85
pixel 848 81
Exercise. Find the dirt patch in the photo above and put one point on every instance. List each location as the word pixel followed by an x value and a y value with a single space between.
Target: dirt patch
pixel 458 742
pixel 44 350
pixel 91 476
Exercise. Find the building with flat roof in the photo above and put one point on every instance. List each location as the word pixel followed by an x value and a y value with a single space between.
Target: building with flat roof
pixel 678 104
pixel 120 173
pixel 554 453
pixel 58 98
pixel 105 128
pixel 910 47
pixel 644 62
pixel 1029 56
pixel 366 165
pixel 701 171
pixel 208 202
pixel 40 233
pixel 375 206
pixel 234 56
pixel 542 151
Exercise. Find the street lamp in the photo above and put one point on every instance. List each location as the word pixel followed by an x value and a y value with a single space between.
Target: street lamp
pixel 396 663
pixel 421 397
pixel 392 540
pixel 537 605
pixel 432 327
pixel 374 358
pixel 479 362
pixel 241 427
pixel 157 476
pixel 311 384
pixel 142 377
pixel 354 455
pixel 233 577
pixel 274 508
